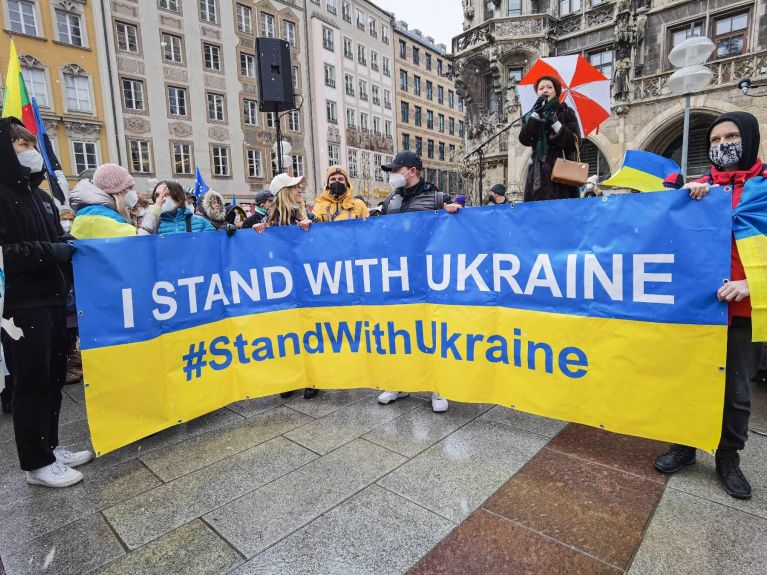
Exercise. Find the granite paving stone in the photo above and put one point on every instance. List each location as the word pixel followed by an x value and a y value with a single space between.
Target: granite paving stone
pixel 527 421
pixel 328 400
pixel 76 392
pixel 263 517
pixel 374 532
pixel 251 407
pixel 457 474
pixel 689 535
pixel 156 512
pixel 192 549
pixel 74 549
pixel 177 460
pixel 342 426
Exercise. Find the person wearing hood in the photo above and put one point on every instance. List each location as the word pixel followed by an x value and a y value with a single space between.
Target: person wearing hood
pixel 103 206
pixel 212 207
pixel 551 129
pixel 236 216
pixel 497 195
pixel 264 201
pixel 37 265
pixel 176 216
pixel 337 201
pixel 734 145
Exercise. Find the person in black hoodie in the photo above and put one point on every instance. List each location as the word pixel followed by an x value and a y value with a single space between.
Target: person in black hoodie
pixel 37 269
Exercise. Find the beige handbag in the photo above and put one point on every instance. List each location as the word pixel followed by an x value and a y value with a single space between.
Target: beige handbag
pixel 568 172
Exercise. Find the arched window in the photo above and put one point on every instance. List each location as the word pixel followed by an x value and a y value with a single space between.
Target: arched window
pixel 598 164
pixel 669 143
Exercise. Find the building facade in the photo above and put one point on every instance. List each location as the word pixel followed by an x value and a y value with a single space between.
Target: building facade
pixel 57 45
pixel 629 41
pixel 184 78
pixel 352 91
pixel 430 114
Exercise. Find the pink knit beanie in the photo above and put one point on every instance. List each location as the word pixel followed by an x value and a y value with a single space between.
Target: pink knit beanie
pixel 112 179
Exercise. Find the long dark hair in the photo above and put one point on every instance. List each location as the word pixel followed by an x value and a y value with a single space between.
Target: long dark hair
pixel 175 190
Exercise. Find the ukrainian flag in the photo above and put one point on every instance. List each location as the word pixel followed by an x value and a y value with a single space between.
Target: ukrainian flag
pixel 750 230
pixel 642 171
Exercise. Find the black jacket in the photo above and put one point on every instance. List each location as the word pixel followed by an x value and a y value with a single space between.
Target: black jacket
pixel 29 226
pixel 422 197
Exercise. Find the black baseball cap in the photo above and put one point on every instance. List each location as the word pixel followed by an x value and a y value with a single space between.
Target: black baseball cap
pixel 406 159
pixel 263 196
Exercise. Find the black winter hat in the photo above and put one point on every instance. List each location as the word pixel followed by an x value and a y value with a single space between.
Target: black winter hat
pixel 749 133
pixel 498 190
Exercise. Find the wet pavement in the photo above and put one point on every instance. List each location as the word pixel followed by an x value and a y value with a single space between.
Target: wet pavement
pixel 341 485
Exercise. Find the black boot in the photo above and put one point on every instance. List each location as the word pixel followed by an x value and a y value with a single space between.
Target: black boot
pixel 310 392
pixel 732 478
pixel 286 394
pixel 676 458
pixel 6 403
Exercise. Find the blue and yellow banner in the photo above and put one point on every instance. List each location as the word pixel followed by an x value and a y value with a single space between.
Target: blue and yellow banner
pixel 600 311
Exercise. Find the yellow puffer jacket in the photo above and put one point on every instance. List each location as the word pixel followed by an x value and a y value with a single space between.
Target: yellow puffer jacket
pixel 331 209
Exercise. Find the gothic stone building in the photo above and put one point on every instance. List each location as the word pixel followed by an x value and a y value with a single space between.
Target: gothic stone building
pixel 629 41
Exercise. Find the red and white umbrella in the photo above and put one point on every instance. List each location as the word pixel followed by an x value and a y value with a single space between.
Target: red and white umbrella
pixel 584 88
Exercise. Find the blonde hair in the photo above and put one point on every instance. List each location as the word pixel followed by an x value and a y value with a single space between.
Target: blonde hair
pixel 284 204
pixel 121 208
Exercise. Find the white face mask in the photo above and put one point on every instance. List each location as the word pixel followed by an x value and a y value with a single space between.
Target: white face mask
pixel 66 225
pixel 396 181
pixel 31 159
pixel 131 199
pixel 141 213
pixel 168 205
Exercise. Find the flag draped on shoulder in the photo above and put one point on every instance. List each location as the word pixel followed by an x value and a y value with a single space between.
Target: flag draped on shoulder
pixel 16 101
pixel 642 171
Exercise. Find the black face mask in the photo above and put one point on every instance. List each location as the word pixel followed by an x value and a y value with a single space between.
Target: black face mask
pixel 337 189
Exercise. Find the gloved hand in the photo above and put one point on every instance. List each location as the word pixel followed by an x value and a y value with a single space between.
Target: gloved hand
pixel 230 229
pixel 62 252
pixel 540 103
pixel 67 238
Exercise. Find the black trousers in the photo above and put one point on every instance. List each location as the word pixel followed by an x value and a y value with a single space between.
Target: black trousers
pixel 38 366
pixel 743 358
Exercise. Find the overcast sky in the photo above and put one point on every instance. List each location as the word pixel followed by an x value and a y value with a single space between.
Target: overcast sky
pixel 440 19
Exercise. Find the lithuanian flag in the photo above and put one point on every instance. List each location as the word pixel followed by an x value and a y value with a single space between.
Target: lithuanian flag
pixel 16 101
pixel 750 229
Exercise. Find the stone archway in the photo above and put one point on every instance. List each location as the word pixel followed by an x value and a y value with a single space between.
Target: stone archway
pixel 668 142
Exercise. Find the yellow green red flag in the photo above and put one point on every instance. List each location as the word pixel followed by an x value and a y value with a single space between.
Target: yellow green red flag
pixel 16 100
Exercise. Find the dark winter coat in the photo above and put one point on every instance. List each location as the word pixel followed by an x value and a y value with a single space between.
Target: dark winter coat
pixel 561 143
pixel 422 197
pixel 29 226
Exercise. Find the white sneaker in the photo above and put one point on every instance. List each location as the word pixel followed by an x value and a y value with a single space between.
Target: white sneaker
pixel 389 396
pixel 54 475
pixel 438 403
pixel 72 458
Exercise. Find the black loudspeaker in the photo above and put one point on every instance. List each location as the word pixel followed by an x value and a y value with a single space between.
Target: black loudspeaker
pixel 275 78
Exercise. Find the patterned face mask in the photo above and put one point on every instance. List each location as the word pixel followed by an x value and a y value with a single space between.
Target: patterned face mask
pixel 726 156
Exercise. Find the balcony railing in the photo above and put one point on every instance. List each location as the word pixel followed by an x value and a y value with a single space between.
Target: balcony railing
pixel 503 28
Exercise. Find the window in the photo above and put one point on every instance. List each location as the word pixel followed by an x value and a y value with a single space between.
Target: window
pixel 294 121
pixel 361 54
pixel 430 149
pixel 405 141
pixel 85 156
pixel 440 94
pixel 363 121
pixel 351 118
pixel 332 111
pixel 330 75
pixel 34 78
pixel 387 99
pixel 416 56
pixel 247 65
pixel 386 67
pixel 430 119
pixel 348 53
pixel 334 154
pixel 212 57
pixel 374 60
pixel 267 25
pixel 331 5
pixel 429 90
pixel 170 5
pixel 419 145
pixel 127 37
pixel 271 120
pixel 377 162
pixel 208 11
pixel 603 61
pixel 327 39
pixel 461 128
pixel 360 19
pixel 451 157
pixel 294 77
pixel 441 123
pixel 402 49
pixel 417 115
pixel 730 34
pixel 352 156
pixel 250 112
pixel 133 94
pixel 403 80
pixel 346 10
pixel 182 159
pixel 140 157
pixel 216 108
pixel 171 49
pixel 405 111
pixel 363 90
pixel 349 84
pixel 439 67
pixel 298 166
pixel 569 6
pixel 375 91
pixel 515 7
pixel 289 33
pixel 255 165
pixel 387 129
pixel 460 104
pixel 689 30
pixel 450 98
pixel 376 125
pixel 78 92
pixel 514 75
pixel 22 16
pixel 176 101
pixel 384 34
pixel 451 126
pixel 68 25
pixel 244 19
pixel 373 26
pixel 417 85
pixel 220 160
pixel 428 61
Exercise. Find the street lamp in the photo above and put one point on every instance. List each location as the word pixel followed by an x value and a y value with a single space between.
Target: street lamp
pixel 691 77
pixel 282 149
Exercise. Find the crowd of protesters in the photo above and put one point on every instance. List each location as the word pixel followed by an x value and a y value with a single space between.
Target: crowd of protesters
pixel 35 236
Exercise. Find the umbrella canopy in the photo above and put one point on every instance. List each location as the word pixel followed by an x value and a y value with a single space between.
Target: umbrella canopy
pixel 584 88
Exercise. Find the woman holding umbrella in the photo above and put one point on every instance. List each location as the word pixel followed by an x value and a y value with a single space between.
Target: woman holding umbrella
pixel 551 129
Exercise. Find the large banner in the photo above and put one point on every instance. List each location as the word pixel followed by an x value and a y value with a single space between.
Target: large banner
pixel 600 311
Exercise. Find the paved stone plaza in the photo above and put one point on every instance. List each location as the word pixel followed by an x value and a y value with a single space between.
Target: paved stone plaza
pixel 342 485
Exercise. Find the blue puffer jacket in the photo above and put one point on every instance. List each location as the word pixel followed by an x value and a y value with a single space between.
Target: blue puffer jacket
pixel 175 222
